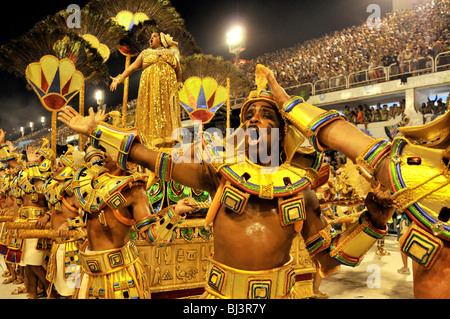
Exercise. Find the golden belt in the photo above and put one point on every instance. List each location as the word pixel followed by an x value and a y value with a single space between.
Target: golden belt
pixel 108 261
pixel 229 283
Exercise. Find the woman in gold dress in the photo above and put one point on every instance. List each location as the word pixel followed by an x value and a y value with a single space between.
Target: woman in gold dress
pixel 158 108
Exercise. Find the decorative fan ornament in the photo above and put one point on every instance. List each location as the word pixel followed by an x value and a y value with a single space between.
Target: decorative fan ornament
pixel 55 81
pixel 202 98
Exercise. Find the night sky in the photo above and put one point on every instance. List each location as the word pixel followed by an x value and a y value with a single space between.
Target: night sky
pixel 270 25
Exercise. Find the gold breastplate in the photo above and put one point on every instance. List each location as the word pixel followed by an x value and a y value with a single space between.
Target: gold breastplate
pixel 54 190
pixel 421 178
pixel 95 188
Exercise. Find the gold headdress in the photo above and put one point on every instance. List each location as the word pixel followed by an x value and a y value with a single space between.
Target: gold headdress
pixel 48 154
pixel 293 139
pixel 68 161
pixel 260 94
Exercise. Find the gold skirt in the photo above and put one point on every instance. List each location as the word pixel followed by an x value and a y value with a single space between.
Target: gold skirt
pixel 63 268
pixel 112 274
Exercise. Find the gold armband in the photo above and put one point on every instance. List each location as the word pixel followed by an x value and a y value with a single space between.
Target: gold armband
pixel 164 166
pixel 309 119
pixel 370 159
pixel 93 155
pixel 117 142
pixel 350 247
pixel 321 241
pixel 34 173
pixel 163 233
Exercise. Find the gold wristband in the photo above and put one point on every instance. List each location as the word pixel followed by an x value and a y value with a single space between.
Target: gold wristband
pixel 350 247
pixel 371 158
pixel 120 78
pixel 116 141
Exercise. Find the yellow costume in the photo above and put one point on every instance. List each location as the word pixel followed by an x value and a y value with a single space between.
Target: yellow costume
pixel 112 274
pixel 224 282
pixel 158 108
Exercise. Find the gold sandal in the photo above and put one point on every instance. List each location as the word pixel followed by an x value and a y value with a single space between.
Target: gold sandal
pixel 19 290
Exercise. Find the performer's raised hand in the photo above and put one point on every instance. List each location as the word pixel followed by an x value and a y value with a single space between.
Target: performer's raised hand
pixel 280 95
pixel 81 124
pixel 381 207
pixel 12 148
pixel 32 157
pixel 114 84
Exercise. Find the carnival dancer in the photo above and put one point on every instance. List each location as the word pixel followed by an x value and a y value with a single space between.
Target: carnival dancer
pixel 33 208
pixel 63 268
pixel 158 108
pixel 11 244
pixel 113 202
pixel 8 244
pixel 414 166
pixel 257 209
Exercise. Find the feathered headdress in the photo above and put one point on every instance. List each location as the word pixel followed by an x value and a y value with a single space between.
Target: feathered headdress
pixel 16 55
pixel 202 66
pixel 102 34
pixel 140 18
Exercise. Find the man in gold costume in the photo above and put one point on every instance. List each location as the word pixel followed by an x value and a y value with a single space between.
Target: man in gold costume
pixel 158 110
pixel 114 201
pixel 33 208
pixel 63 265
pixel 257 209
pixel 415 167
pixel 10 245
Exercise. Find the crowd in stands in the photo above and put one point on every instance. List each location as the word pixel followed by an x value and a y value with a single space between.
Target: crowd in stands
pixel 404 38
pixel 364 114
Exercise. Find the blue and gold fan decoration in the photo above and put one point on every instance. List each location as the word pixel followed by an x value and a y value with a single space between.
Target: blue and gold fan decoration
pixel 55 81
pixel 202 98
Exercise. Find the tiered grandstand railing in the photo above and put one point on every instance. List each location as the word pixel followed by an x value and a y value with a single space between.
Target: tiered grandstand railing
pixel 375 75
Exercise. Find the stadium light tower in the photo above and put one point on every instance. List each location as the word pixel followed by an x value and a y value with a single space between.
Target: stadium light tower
pixel 99 96
pixel 236 42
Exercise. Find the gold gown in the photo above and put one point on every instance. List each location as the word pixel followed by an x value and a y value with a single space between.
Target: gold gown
pixel 158 108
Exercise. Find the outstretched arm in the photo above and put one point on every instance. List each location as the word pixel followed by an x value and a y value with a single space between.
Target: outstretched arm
pixel 136 65
pixel 337 135
pixel 189 174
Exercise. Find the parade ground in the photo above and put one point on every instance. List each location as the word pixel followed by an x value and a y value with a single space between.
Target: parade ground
pixel 375 278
